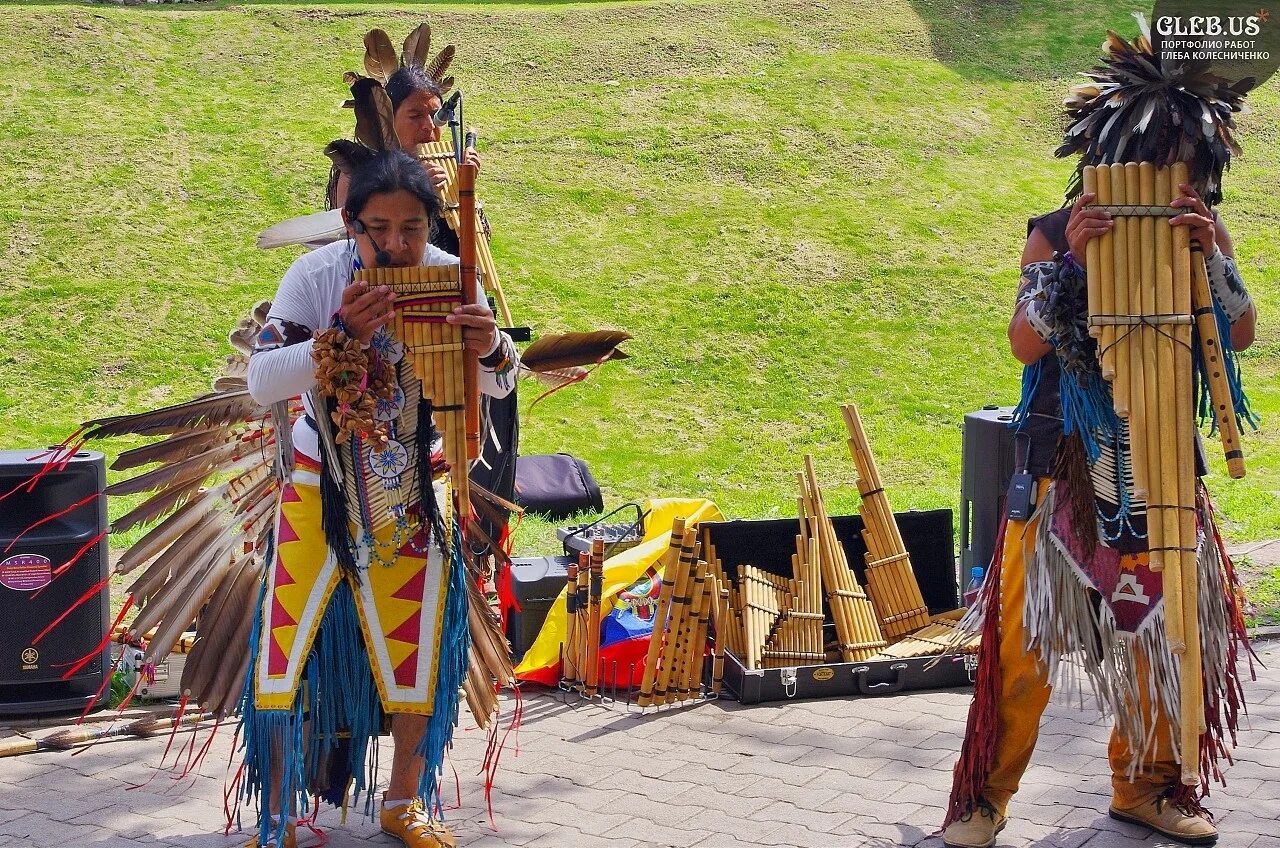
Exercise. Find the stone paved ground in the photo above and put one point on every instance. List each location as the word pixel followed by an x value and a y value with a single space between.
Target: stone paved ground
pixel 862 772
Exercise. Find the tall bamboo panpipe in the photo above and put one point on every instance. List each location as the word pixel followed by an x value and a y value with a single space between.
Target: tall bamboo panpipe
pixel 688 648
pixel 670 562
pixel 723 623
pixel 441 153
pixel 1156 396
pixel 1211 352
pixel 857 628
pixel 584 613
pixel 891 582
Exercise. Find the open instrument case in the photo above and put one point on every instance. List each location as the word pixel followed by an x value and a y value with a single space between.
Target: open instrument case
pixel 769 544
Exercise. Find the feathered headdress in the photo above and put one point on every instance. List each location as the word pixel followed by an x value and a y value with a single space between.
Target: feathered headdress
pixel 1138 107
pixel 380 60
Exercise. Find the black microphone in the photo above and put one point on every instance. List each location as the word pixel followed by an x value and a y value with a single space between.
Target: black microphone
pixel 444 115
pixel 381 258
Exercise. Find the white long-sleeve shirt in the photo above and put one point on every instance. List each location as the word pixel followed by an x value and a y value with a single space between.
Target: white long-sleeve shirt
pixel 309 295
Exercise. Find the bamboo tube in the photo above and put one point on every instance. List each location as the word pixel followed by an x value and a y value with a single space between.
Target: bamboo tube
pixel 467 271
pixel 1136 393
pixel 1120 287
pixel 670 560
pixel 680 650
pixel 1089 177
pixel 697 654
pixel 593 617
pixel 569 665
pixel 1211 352
pixel 724 627
pixel 1151 384
pixel 1106 282
pixel 584 613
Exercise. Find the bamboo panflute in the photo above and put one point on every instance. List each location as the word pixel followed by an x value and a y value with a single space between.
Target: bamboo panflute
pixel 891 582
pixel 1143 282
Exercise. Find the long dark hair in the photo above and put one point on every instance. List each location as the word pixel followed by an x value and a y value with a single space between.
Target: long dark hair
pixel 408 80
pixel 387 172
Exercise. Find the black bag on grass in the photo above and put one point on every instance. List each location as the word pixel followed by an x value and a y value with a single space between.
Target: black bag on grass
pixel 556 486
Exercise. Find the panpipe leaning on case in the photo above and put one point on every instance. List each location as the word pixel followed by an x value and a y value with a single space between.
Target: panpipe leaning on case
pixel 1146 289
pixel 441 153
pixel 891 583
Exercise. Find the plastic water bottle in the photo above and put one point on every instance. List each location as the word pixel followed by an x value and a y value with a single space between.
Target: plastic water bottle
pixel 974 588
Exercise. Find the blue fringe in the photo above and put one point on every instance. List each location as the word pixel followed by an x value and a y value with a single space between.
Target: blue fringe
pixel 343 701
pixel 455 645
pixel 1088 412
pixel 1030 383
pixel 1231 363
pixel 340 698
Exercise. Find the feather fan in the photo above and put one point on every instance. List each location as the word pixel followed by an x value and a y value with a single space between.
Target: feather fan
pixel 211 410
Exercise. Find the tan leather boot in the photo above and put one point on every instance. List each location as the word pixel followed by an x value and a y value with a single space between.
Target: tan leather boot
pixel 976 829
pixel 1170 820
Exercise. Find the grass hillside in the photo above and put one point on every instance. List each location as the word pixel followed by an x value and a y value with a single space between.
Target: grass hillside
pixel 790 204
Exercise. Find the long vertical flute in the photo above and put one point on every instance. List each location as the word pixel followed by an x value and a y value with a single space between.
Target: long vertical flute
pixel 467 260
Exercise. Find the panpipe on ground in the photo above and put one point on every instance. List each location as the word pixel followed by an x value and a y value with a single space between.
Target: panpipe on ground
pixel 441 153
pixel 940 637
pixel 857 627
pixel 1140 293
pixel 891 584
pixel 690 597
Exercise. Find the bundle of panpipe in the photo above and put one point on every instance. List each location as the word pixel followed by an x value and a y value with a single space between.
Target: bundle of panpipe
pixel 728 626
pixel 857 627
pixel 442 153
pixel 940 637
pixel 690 598
pixel 891 582
pixel 1145 291
pixel 580 658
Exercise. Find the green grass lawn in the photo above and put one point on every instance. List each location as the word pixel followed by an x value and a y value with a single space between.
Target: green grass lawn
pixel 790 204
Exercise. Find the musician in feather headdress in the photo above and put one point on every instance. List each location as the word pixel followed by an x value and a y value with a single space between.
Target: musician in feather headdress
pixel 360 626
pixel 1073 583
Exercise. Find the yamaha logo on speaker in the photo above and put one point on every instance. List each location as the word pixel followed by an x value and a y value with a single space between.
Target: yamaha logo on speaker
pixel 30 658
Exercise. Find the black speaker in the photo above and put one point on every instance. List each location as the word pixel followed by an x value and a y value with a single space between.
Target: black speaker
pixel 535 584
pixel 31 597
pixel 987 459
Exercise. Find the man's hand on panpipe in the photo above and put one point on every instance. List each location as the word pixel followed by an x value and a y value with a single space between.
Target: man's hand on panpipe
pixel 365 309
pixel 1086 222
pixel 479 327
pixel 1198 218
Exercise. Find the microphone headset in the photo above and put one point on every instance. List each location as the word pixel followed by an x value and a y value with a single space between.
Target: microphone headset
pixel 381 257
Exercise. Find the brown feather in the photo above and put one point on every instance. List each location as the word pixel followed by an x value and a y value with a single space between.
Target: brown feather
pixel 440 63
pixel 228 645
pixel 236 365
pixel 446 85
pixel 379 56
pixel 155 506
pixel 375 118
pixel 213 627
pixel 211 410
pixel 261 311
pixel 416 47
pixel 161 536
pixel 565 350
pixel 204 580
pixel 229 384
pixel 179 553
pixel 173 449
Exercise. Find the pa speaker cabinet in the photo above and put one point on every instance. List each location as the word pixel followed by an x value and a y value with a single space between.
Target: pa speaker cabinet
pixel 32 597
pixel 987 460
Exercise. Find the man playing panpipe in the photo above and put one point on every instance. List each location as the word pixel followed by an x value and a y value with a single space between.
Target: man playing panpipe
pixel 363 620
pixel 1073 579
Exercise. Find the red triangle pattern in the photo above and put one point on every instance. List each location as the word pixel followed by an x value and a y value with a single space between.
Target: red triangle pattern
pixel 409 630
pixel 290 495
pixel 413 587
pixel 279 615
pixel 285 532
pixel 283 577
pixel 277 662
pixel 407 671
